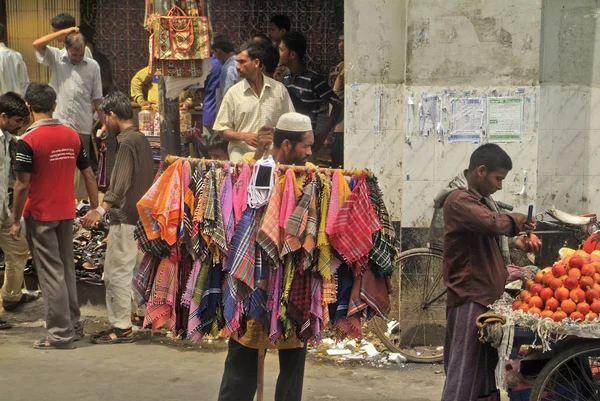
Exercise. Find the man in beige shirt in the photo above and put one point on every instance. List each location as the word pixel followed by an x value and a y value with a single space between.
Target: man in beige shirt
pixel 251 104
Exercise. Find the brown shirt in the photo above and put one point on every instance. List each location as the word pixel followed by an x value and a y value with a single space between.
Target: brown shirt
pixel 474 269
pixel 131 177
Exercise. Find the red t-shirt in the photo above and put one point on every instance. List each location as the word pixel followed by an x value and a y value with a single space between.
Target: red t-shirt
pixel 50 152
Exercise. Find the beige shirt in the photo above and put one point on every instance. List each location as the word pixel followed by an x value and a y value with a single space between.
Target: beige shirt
pixel 243 111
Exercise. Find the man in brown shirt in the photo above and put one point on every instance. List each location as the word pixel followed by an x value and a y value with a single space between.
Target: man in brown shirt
pixel 474 270
pixel 131 178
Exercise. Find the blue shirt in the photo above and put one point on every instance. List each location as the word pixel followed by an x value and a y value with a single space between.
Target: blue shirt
pixel 209 111
pixel 229 77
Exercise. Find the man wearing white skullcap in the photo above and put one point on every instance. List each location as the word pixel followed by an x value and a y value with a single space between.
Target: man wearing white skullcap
pixel 292 142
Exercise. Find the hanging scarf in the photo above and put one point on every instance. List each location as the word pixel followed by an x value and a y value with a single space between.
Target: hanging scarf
pixel 182 310
pixel 243 249
pixel 324 260
pixel 288 205
pixel 211 298
pixel 144 277
pixel 102 184
pixel 226 197
pixel 270 233
pixel 274 302
pixel 288 326
pixel 384 251
pixel 316 306
pixel 240 193
pixel 300 302
pixel 344 287
pixel 160 309
pixel 256 306
pixel 213 218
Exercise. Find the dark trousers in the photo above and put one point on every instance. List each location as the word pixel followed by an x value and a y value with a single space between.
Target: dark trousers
pixel 240 375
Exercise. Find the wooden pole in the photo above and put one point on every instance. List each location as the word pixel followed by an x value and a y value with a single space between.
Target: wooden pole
pixel 260 376
pixel 170 136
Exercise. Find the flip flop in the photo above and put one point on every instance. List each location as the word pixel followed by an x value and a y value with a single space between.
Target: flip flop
pixel 44 344
pixel 4 325
pixel 25 298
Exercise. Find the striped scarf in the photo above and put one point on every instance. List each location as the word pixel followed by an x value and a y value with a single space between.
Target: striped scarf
pixel 160 308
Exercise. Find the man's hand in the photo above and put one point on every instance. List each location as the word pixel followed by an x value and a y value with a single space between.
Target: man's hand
pixel 528 243
pixel 15 231
pixel 278 74
pixel 90 219
pixel 265 137
pixel 251 139
pixel 523 224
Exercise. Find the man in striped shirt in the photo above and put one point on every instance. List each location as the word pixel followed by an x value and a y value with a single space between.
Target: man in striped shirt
pixel 309 90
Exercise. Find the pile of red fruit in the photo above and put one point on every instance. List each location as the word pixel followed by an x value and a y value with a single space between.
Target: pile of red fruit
pixel 570 288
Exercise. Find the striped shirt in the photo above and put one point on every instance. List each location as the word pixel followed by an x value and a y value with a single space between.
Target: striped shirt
pixel 310 93
pixel 131 177
pixel 243 110
pixel 13 71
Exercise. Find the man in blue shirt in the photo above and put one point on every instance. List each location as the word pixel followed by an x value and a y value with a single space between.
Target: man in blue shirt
pixel 223 50
pixel 211 85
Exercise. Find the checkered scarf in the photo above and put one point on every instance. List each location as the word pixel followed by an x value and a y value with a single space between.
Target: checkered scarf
pixel 300 303
pixel 213 218
pixel 144 277
pixel 351 234
pixel 160 308
pixel 256 304
pixel 344 287
pixel 384 251
pixel 270 233
pixel 302 225
pixel 287 323
pixel 240 193
pixel 324 259
pixel 226 198
pixel 211 298
pixel 274 302
pixel 156 247
pixel 242 257
pixel 288 205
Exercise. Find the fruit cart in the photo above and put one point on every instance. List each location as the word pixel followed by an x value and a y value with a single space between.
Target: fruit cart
pixel 556 316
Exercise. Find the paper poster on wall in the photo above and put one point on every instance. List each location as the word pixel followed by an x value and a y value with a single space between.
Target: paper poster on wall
pixel 429 115
pixel 467 120
pixel 505 119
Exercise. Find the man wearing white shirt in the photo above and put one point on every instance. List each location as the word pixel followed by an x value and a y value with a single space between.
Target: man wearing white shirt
pixel 78 85
pixel 13 71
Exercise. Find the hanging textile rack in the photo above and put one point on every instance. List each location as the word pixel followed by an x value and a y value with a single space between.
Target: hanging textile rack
pixel 298 169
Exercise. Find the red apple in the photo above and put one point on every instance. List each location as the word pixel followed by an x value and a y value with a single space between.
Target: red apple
pixel 583 307
pixel 574 272
pixel 546 293
pixel 591 316
pixel 592 294
pixel 552 304
pixel 586 282
pixel 561 294
pixel 556 283
pixel 595 306
pixel 537 302
pixel 588 270
pixel 559 270
pixel 559 316
pixel 576 316
pixel 535 289
pixel 568 306
pixel 571 283
pixel 577 295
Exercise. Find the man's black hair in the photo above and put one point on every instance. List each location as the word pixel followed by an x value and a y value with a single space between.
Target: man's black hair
pixel 281 22
pixel 63 21
pixel 41 97
pixel 271 55
pixel 281 135
pixel 217 142
pixel 255 50
pixel 261 38
pixel 118 103
pixel 295 42
pixel 223 42
pixel 2 33
pixel 492 156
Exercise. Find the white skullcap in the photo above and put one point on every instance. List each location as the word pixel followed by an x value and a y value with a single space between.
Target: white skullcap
pixel 294 122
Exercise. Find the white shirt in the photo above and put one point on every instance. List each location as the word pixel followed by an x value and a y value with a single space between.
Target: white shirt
pixel 13 71
pixel 76 87
pixel 5 139
pixel 243 111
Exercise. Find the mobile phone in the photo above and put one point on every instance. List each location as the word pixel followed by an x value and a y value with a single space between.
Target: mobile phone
pixel 263 177
pixel 530 214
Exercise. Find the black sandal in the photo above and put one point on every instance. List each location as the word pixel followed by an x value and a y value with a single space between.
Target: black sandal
pixel 25 298
pixel 113 336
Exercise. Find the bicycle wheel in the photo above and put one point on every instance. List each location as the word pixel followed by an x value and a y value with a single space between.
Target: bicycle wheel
pixel 416 324
pixel 572 375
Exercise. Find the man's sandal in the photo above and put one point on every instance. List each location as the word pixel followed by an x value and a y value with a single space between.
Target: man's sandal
pixel 44 344
pixel 113 336
pixel 25 298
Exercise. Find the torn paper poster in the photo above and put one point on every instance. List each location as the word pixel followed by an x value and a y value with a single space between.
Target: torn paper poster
pixel 505 119
pixel 466 120
pixel 429 115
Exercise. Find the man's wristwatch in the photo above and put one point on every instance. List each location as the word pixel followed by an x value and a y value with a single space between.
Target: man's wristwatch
pixel 101 211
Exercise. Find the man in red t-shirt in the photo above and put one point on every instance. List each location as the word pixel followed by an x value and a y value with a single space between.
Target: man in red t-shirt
pixel 44 194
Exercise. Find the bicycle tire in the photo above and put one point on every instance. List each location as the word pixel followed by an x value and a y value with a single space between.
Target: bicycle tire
pixel 555 364
pixel 379 326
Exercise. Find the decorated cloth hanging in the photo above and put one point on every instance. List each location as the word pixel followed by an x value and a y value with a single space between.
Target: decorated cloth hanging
pixel 317 254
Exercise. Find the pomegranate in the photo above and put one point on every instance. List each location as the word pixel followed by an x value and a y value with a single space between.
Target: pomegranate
pixel 576 262
pixel 559 270
pixel 552 304
pixel 596 277
pixel 596 265
pixel 547 278
pixel 592 294
pixel 536 301
pixel 547 313
pixel 561 294
pixel 525 295
pixel 583 307
pixel 568 306
pixel 591 316
pixel 571 283
pixel 546 293
pixel 582 254
pixel 577 295
pixel 559 316
pixel 586 282
pixel 524 307
pixel 576 316
pixel 538 276
pixel 535 310
pixel 516 304
pixel 535 289
pixel 563 278
pixel 595 306
pixel 555 284
pixel 574 272
pixel 529 283
pixel 588 270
